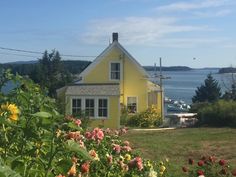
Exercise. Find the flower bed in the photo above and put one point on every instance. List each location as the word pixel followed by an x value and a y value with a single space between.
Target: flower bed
pixel 35 140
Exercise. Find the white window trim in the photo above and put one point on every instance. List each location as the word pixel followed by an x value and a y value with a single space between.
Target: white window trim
pixel 136 103
pixel 121 70
pixel 96 98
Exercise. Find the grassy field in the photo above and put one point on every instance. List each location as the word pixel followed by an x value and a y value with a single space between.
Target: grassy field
pixel 180 144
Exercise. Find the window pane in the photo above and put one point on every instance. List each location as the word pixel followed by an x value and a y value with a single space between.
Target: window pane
pixel 105 103
pixel 100 112
pixel 102 108
pixel 117 66
pixel 74 103
pixel 113 66
pixel 89 107
pixel 78 102
pixel 104 112
pixel 100 102
pixel 86 103
pixel 115 71
pixel 76 106
pixel 91 103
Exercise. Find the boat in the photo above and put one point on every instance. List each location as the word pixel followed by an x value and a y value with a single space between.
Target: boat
pixel 175 106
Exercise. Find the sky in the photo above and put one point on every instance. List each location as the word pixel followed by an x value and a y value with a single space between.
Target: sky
pixel 194 33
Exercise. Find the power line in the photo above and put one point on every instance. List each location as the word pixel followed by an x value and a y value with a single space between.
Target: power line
pixel 36 52
pixel 5 53
pixel 14 54
pixel 19 50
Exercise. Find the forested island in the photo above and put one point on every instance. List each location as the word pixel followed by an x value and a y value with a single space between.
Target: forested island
pixel 167 68
pixel 227 70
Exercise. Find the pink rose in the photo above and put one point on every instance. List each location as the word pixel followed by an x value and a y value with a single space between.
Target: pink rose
pixel 117 148
pixel 77 122
pixel 100 135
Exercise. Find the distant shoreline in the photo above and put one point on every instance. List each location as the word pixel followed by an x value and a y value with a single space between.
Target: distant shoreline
pixel 85 63
pixel 177 68
pixel 227 70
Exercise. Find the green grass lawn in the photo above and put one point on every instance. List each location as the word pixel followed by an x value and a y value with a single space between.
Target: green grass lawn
pixel 180 144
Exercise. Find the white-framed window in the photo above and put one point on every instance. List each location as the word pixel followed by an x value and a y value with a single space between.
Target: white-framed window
pixel 76 106
pixel 132 104
pixel 115 70
pixel 102 107
pixel 94 107
pixel 89 107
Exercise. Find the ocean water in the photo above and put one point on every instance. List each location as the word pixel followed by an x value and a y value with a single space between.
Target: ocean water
pixel 182 84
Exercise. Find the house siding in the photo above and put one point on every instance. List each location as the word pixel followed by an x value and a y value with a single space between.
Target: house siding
pixel 113 120
pixel 132 82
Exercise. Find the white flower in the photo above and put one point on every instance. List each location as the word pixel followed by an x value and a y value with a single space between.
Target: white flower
pixel 201 176
pixel 152 173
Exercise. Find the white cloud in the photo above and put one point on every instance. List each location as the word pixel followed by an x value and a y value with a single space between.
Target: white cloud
pixel 207 14
pixel 137 30
pixel 191 42
pixel 193 5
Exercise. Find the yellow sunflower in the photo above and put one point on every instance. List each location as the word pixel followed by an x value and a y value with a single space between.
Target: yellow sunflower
pixel 11 110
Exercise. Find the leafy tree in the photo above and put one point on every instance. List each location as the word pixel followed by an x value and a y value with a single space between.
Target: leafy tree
pixel 210 91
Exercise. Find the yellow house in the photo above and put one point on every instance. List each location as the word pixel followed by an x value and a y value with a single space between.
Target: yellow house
pixel 112 81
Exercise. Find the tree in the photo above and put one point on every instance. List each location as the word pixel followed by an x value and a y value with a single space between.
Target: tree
pixel 51 73
pixel 230 94
pixel 209 92
pixel 230 87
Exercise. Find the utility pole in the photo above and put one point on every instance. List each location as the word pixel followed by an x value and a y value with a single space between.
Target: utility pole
pixel 161 88
pixel 161 77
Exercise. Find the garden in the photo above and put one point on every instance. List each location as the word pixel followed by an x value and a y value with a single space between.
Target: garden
pixel 36 140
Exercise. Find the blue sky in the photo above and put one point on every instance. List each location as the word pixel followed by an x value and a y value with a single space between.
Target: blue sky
pixel 176 30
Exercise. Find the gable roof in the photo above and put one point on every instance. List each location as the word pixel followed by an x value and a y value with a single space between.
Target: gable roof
pixel 106 51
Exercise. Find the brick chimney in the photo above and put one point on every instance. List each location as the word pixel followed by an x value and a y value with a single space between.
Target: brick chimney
pixel 114 37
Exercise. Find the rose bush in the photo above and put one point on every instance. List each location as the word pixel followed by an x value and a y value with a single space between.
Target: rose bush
pixel 208 167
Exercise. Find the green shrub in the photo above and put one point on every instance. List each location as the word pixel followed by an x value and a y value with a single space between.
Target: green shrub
pixel 219 114
pixel 198 106
pixel 124 116
pixel 148 118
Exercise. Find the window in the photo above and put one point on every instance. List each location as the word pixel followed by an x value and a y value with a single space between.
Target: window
pixel 115 71
pixel 89 107
pixel 93 107
pixel 76 106
pixel 132 104
pixel 102 107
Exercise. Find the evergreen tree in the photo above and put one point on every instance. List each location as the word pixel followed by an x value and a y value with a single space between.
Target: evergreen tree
pixel 51 73
pixel 209 92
